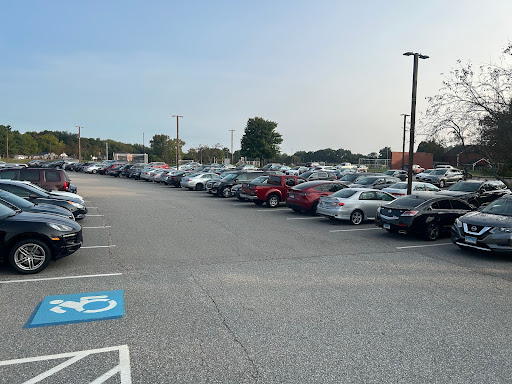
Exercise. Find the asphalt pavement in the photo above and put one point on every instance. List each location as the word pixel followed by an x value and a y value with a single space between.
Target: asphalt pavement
pixel 222 291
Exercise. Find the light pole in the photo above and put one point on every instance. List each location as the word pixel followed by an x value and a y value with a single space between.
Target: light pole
pixel 79 146
pixel 231 130
pixel 403 141
pixel 413 115
pixel 7 129
pixel 177 141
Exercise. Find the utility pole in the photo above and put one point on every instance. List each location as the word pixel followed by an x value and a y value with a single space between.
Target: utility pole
pixel 231 130
pixel 7 128
pixel 106 148
pixel 79 146
pixel 403 141
pixel 177 141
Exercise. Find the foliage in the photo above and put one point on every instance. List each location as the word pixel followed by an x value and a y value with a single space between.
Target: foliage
pixel 260 140
pixel 432 147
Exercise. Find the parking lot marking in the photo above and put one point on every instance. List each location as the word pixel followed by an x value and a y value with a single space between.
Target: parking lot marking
pixel 60 278
pixel 353 230
pixel 98 246
pixel 426 245
pixel 305 218
pixel 103 226
pixel 123 367
pixel 92 207
pixel 95 215
pixel 273 210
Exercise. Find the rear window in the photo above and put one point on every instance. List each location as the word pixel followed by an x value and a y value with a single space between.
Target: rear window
pixel 274 180
pixel 344 193
pixel 307 185
pixel 408 201
pixel 52 176
pixel 9 174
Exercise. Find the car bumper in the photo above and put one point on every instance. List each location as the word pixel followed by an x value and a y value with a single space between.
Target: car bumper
pixel 67 244
pixel 334 213
pixel 495 242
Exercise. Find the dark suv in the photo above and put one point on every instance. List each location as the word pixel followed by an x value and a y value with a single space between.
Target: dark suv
pixel 222 187
pixel 50 179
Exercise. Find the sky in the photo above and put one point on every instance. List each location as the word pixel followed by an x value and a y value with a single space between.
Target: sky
pixel 330 73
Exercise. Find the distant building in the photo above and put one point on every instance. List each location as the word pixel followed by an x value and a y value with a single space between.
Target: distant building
pixel 460 156
pixel 423 159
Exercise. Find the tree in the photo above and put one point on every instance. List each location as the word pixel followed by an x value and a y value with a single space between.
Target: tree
pixel 260 140
pixel 384 153
pixel 432 147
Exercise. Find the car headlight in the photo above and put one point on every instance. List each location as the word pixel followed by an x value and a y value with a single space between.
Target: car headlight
pixel 458 223
pixel 215 184
pixel 79 206
pixel 501 229
pixel 60 227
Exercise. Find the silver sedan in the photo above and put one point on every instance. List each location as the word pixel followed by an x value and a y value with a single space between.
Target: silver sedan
pixel 354 204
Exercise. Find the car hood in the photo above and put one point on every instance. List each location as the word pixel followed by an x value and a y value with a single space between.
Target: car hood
pixel 50 209
pixel 455 193
pixel 487 219
pixel 44 218
pixel 66 196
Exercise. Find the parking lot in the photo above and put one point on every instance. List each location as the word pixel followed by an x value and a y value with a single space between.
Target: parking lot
pixel 218 290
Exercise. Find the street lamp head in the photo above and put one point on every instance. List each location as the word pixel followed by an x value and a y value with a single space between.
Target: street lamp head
pixel 408 54
pixel 423 56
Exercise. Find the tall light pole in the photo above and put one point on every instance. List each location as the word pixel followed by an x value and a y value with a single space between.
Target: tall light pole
pixel 177 141
pixel 231 130
pixel 413 115
pixel 7 129
pixel 79 146
pixel 403 141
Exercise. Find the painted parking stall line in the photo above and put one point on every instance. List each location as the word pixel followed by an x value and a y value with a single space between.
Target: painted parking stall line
pixel 424 246
pixel 97 246
pixel 305 218
pixel 60 278
pixel 354 230
pixel 94 215
pixel 122 368
pixel 273 209
pixel 98 227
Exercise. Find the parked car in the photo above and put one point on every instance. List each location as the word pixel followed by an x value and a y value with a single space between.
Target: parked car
pixel 15 202
pixel 444 176
pixel 30 240
pixel 273 191
pixel 158 164
pixel 319 175
pixel 422 214
pixel 489 229
pixel 50 179
pixel 351 178
pixel 400 173
pixel 353 204
pixel 93 168
pixel 244 187
pixel 477 192
pixel 400 189
pixel 296 170
pixel 375 182
pixel 197 181
pixel 222 187
pixel 305 196
pixel 420 175
pixel 37 195
pixel 174 179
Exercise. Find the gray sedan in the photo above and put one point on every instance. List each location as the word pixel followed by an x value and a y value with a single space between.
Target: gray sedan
pixel 354 204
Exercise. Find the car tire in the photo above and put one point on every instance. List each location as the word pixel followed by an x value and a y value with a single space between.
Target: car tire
pixel 313 208
pixel 442 184
pixel 258 202
pixel 94 171
pixel 432 231
pixel 225 192
pixel 357 217
pixel 199 187
pixel 273 201
pixel 32 248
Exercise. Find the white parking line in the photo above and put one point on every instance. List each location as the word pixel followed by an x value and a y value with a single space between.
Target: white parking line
pixel 353 230
pixel 305 218
pixel 60 278
pixel 95 215
pixel 273 210
pixel 91 207
pixel 426 245
pixel 105 226
pixel 98 246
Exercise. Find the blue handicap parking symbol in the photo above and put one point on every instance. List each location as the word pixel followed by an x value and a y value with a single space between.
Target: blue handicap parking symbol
pixel 78 307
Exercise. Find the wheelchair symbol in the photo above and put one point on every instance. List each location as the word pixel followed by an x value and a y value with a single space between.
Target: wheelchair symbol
pixel 79 305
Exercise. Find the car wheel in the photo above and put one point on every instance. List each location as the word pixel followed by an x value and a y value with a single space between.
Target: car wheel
pixel 258 202
pixel 29 256
pixel 199 187
pixel 313 208
pixel 273 201
pixel 226 192
pixel 356 217
pixel 442 184
pixel 432 231
pixel 94 171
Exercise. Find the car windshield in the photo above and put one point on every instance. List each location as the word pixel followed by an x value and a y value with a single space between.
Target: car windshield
pixel 350 177
pixel 464 187
pixel 499 207
pixel 389 173
pixel 5 211
pixel 15 200
pixel 36 189
pixel 427 171
pixel 438 172
pixel 399 186
pixel 306 174
pixel 229 176
pixel 367 180
pixel 344 193
pixel 260 179
pixel 408 201
pixel 306 185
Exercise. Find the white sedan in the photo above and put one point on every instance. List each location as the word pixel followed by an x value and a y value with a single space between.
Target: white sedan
pixel 197 181
pixel 354 204
pixel 400 189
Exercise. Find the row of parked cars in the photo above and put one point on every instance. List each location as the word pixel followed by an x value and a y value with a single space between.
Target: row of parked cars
pixel 477 213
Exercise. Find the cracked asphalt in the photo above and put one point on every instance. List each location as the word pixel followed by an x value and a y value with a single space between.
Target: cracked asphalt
pixel 219 291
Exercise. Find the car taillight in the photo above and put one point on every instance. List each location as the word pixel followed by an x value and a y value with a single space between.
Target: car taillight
pixel 340 204
pixel 409 213
pixel 398 194
pixel 66 185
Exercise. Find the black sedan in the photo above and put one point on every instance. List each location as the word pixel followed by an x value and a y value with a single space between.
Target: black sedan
pixel 421 214
pixel 30 240
pixel 37 196
pixel 489 229
pixel 16 202
pixel 477 192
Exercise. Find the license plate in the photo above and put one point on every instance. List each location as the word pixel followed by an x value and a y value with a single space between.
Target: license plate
pixel 292 195
pixel 386 226
pixel 470 240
